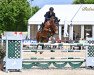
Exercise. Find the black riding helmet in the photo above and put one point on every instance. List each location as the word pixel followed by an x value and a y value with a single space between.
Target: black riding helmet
pixel 51 8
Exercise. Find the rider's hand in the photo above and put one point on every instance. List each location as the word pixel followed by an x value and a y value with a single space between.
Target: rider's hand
pixel 58 20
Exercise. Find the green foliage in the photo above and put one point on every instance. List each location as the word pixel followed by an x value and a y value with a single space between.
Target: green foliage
pixel 14 15
pixel 78 2
pixel 35 9
pixel 83 2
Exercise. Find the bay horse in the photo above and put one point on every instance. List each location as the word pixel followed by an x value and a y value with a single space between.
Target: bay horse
pixel 49 29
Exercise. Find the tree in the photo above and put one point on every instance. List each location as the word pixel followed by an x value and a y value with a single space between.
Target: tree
pixel 35 9
pixel 83 2
pixel 14 15
pixel 78 2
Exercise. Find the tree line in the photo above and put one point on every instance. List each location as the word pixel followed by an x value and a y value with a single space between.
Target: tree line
pixel 83 2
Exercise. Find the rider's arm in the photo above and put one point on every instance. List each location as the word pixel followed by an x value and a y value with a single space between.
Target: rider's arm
pixel 46 15
pixel 54 14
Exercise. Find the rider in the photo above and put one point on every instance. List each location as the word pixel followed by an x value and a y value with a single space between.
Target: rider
pixel 50 14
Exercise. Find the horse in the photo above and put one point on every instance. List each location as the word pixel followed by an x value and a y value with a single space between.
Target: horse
pixel 49 29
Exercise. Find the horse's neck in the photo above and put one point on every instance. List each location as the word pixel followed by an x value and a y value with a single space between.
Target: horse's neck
pixel 52 21
pixel 49 24
pixel 53 26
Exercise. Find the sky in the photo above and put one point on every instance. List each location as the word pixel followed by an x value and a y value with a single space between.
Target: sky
pixel 41 3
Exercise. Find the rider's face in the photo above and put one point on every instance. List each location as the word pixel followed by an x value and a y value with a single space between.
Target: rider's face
pixel 51 10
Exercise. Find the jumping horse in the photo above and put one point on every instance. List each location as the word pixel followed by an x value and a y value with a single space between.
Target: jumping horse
pixel 49 29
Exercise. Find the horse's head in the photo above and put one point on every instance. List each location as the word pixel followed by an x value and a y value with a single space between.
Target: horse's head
pixel 52 20
pixel 53 25
pixel 50 26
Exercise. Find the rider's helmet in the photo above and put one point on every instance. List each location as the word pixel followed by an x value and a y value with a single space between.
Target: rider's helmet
pixel 51 9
